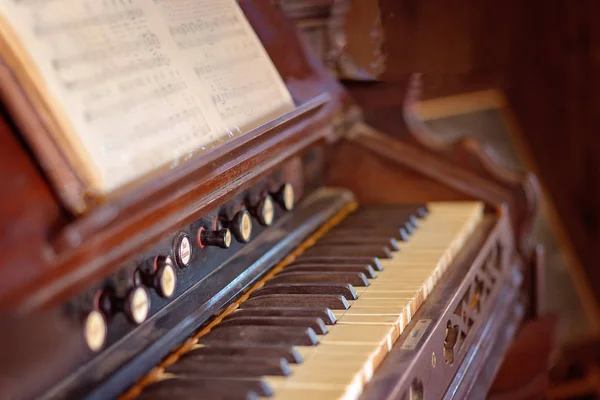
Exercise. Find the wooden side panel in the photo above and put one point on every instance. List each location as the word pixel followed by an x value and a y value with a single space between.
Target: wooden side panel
pixel 545 58
pixel 554 90
pixel 27 214
pixel 393 112
pixel 374 179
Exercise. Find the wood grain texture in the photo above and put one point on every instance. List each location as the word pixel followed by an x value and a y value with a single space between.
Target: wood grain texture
pixel 546 62
pixel 79 251
pixel 464 168
pixel 554 91
pixel 400 165
pixel 524 372
pixel 28 213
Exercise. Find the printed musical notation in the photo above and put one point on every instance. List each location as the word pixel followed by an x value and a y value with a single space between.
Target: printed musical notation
pixel 145 83
pixel 113 67
pixel 228 58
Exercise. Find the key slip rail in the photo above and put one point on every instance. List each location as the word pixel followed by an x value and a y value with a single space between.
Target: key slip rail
pixel 382 305
pixel 174 323
pixel 453 322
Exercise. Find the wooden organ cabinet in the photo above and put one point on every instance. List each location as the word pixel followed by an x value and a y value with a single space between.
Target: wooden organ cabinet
pixel 319 254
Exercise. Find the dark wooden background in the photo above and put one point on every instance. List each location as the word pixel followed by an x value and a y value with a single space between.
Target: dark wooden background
pixel 545 56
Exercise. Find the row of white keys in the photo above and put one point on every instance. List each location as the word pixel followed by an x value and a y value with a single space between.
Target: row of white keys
pixel 346 358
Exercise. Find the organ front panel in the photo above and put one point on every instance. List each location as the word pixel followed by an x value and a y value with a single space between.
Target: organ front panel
pixel 310 256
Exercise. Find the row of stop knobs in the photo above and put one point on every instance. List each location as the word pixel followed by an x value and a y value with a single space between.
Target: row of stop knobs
pixel 159 273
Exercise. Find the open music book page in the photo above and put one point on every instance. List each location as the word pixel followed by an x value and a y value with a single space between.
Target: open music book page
pixel 243 85
pixel 127 87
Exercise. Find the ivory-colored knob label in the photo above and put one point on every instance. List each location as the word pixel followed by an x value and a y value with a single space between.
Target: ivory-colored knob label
pixel 140 305
pixel 227 238
pixel 246 227
pixel 288 197
pixel 168 281
pixel 95 330
pixel 268 211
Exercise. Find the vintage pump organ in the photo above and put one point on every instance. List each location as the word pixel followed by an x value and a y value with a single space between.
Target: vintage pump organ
pixel 195 208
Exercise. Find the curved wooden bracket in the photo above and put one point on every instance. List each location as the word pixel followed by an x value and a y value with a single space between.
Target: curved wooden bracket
pixel 393 131
pixel 481 159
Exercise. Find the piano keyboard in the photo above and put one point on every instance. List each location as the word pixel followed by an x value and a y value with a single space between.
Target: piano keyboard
pixel 320 326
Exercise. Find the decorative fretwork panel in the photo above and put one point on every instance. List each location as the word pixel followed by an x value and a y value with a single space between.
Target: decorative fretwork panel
pixel 473 301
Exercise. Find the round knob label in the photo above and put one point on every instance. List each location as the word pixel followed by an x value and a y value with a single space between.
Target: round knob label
pixel 245 227
pixel 288 197
pixel 95 330
pixel 167 281
pixel 184 252
pixel 139 305
pixel 267 212
pixel 227 238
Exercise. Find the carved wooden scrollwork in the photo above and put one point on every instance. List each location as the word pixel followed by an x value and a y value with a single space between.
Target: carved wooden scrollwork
pixel 347 36
pixel 489 276
pixel 480 159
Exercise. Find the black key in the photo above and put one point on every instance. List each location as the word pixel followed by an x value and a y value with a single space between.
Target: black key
pixel 322 312
pixel 409 228
pixel 412 219
pixel 206 366
pixel 192 389
pixel 353 278
pixel 301 267
pixel 370 224
pixel 362 239
pixel 382 217
pixel 372 261
pixel 386 217
pixel 347 251
pixel 275 335
pixel 389 208
pixel 331 301
pixel 421 210
pixel 390 215
pixel 398 206
pixel 345 290
pixel 316 324
pixel 290 353
pixel 392 218
pixel 394 232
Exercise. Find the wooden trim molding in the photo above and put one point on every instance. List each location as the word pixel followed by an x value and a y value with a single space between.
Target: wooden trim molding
pixel 495 99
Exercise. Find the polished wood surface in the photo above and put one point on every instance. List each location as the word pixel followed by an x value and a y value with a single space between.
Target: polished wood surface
pixel 448 42
pixel 31 353
pixel 51 255
pixel 543 59
pixel 465 167
pixel 546 74
pixel 27 216
pixel 81 250
pixel 553 87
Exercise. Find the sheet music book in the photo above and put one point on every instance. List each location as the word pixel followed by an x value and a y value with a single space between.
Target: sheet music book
pixel 131 86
